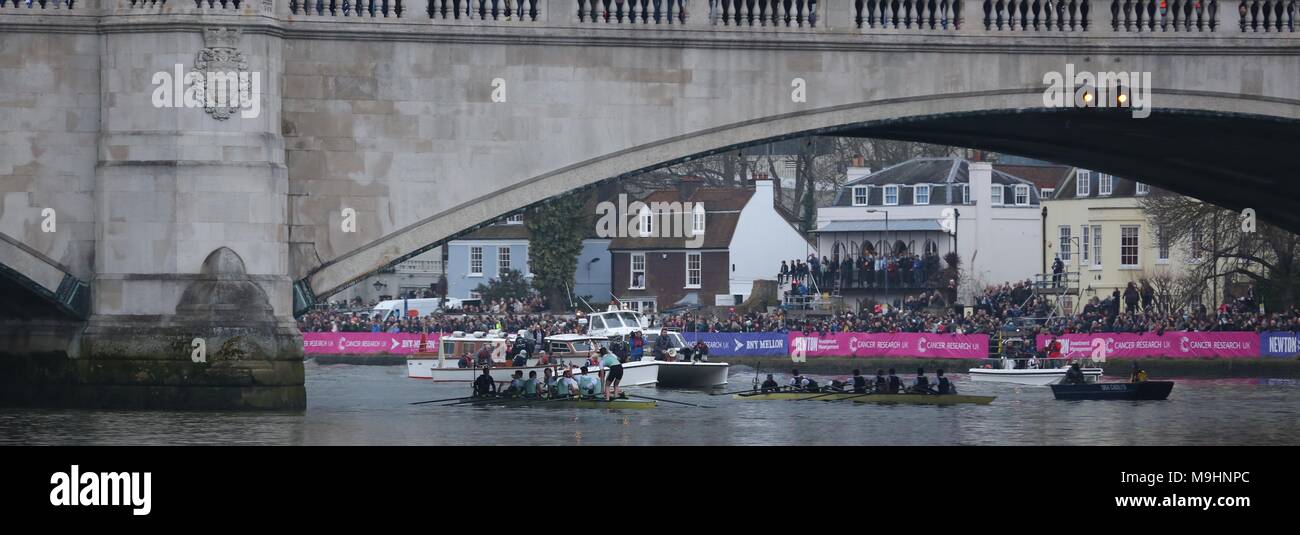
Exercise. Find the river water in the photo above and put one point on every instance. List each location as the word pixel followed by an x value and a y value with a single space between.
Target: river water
pixel 370 405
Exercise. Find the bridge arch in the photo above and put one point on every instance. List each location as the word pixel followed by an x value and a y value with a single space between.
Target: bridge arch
pixel 1193 142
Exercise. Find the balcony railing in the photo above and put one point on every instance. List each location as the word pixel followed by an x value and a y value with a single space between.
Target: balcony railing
pixel 1085 18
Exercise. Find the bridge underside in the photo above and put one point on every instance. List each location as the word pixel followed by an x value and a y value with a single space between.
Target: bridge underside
pixel 1234 161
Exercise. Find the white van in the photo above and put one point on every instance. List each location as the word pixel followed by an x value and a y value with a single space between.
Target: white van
pixel 399 308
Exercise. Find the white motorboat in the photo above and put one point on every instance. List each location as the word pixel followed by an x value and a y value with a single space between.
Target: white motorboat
pixel 1030 374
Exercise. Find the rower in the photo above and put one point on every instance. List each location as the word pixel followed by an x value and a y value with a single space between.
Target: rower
pixel 895 384
pixel 615 375
pixel 881 383
pixel 945 386
pixel 770 385
pixel 922 384
pixel 859 382
pixel 797 382
pixel 548 381
pixel 485 385
pixel 1073 376
pixel 530 386
pixel 587 385
pixel 516 385
pixel 566 386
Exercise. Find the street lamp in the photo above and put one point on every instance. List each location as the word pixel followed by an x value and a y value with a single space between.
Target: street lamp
pixel 890 245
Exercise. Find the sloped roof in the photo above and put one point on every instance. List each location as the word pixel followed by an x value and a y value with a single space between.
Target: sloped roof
pixel 939 172
pixel 1043 176
pixel 722 208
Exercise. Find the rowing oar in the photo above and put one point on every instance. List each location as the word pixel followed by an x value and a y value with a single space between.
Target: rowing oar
pixel 734 392
pixel 668 401
pixel 473 399
pixel 439 400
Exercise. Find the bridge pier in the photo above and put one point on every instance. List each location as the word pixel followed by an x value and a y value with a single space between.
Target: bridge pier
pixel 190 301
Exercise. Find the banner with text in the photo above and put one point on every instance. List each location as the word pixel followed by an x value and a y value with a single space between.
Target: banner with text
pixel 1279 344
pixel 1184 344
pixel 901 345
pixel 365 343
pixel 766 344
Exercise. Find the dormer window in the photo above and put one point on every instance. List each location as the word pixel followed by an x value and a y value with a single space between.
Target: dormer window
pixel 1143 189
pixel 1105 184
pixel 921 194
pixel 1022 195
pixel 1083 183
pixel 891 195
pixel 860 195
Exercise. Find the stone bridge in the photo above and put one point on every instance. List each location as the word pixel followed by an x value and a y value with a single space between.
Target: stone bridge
pixel 137 230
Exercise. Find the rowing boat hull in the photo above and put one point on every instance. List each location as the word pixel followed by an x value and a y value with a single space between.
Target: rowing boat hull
pixel 913 399
pixel 574 403
pixel 1149 390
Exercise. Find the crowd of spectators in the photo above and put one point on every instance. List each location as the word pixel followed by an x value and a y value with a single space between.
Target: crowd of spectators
pixel 999 307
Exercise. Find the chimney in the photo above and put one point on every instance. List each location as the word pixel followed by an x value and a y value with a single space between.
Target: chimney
pixel 859 161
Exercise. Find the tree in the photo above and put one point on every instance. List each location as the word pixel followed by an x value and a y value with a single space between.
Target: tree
pixel 557 228
pixel 1264 255
pixel 509 284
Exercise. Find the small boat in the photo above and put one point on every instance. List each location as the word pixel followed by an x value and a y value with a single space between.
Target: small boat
pixel 571 403
pixel 1028 376
pixel 1146 390
pixel 914 399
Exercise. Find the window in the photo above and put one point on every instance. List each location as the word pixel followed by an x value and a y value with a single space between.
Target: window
pixel 647 222
pixel 1194 244
pixel 1128 246
pixel 1022 195
pixel 515 219
pixel 1065 246
pixel 1143 189
pixel 697 219
pixel 638 272
pixel 476 261
pixel 694 262
pixel 1083 183
pixel 1105 184
pixel 1096 245
pixel 997 194
pixel 965 193
pixel 921 194
pixel 1085 246
pixel 891 195
pixel 860 195
pixel 1162 243
pixel 503 259
pixel 1046 193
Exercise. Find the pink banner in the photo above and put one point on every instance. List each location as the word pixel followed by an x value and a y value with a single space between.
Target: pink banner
pixel 1181 344
pixel 903 345
pixel 365 343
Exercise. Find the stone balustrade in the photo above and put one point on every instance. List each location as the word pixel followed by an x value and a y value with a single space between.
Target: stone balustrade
pixel 1090 18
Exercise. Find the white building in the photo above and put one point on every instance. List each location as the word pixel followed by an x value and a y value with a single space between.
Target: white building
pixel 930 206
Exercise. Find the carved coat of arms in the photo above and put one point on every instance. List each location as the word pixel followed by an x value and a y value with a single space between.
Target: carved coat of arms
pixel 224 73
